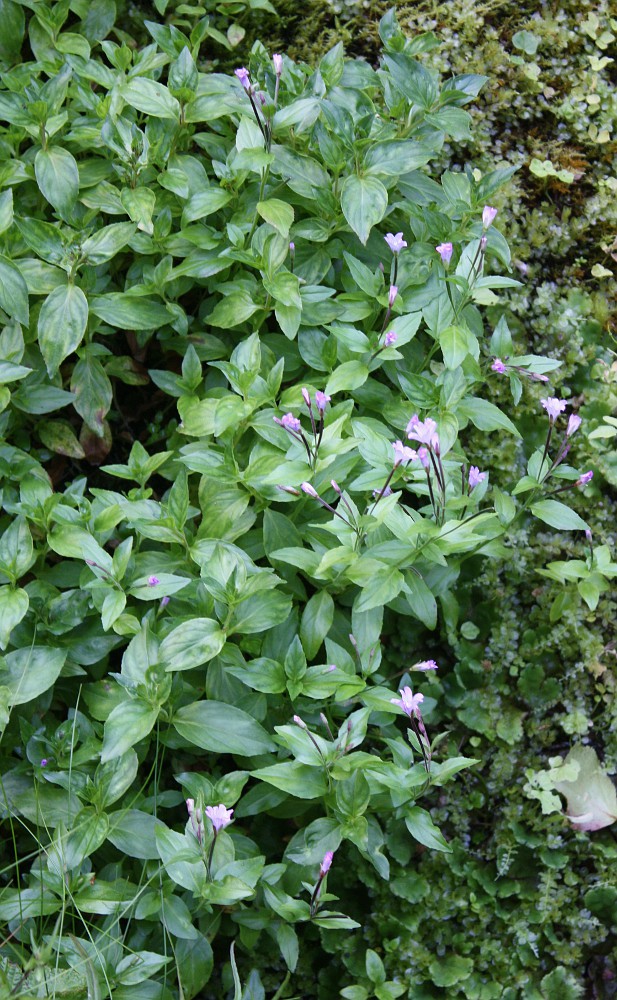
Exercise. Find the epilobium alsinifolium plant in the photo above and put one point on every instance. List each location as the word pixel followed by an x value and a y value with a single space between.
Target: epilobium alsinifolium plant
pixel 201 738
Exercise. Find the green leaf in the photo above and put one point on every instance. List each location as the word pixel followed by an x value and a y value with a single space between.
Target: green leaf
pixel 59 436
pixel 222 728
pixel 57 177
pixel 380 590
pixel 195 964
pixel 233 310
pixel 421 827
pixel 139 204
pixel 558 515
pixel 93 393
pixel 192 643
pixel 421 600
pixel 13 292
pixel 62 323
pixel 364 201
pixel 29 672
pixel 277 214
pixel 316 622
pixel 526 41
pixel 14 605
pixel 486 416
pixel 151 98
pixel 128 723
pixel 132 832
pixel 350 375
pixel 107 242
pixel 204 203
pixel 130 312
pixel 393 158
pixel 456 343
pixel 451 970
pixel 300 780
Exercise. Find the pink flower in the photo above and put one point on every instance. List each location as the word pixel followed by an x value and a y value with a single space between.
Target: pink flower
pixel 488 215
pixel 553 407
pixel 409 702
pixel 44 762
pixel 498 366
pixel 278 63
pixel 423 431
pixel 243 76
pixel 312 492
pixel 445 251
pixel 425 665
pixel 153 581
pixel 403 454
pixel 219 816
pixel 390 338
pixel 324 868
pixel 573 424
pixel 321 400
pixel 395 242
pixel 424 457
pixel 383 493
pixel 292 246
pixel 392 295
pixel 289 422
pixel 475 476
pixel 584 479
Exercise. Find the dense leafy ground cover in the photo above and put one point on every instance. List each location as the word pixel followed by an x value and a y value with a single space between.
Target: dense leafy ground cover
pixel 200 308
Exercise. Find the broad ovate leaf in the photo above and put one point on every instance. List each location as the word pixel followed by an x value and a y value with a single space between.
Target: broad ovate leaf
pixel 591 796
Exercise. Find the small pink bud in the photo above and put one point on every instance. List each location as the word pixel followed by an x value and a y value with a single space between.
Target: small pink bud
pixel 310 490
pixel 392 295
pixel 243 76
pixel 585 478
pixel 445 251
pixel 153 581
pixel 326 864
pixel 573 424
pixel 306 396
pixel 300 722
pixel 498 366
pixel 390 338
pixel 278 63
pixel 488 216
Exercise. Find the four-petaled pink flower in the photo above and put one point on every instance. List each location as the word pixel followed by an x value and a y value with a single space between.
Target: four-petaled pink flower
pixel 153 581
pixel 424 457
pixel 445 251
pixel 585 478
pixel 488 215
pixel 325 865
pixel 392 295
pixel 219 816
pixel 278 63
pixel 425 665
pixel 312 492
pixel 395 241
pixel 409 702
pixel 475 476
pixel 321 400
pixel 573 424
pixel 424 431
pixel 289 422
pixel 402 453
pixel 553 407
pixel 498 366
pixel 243 76
pixel 390 338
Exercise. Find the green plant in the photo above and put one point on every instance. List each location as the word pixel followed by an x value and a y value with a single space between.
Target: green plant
pixel 166 641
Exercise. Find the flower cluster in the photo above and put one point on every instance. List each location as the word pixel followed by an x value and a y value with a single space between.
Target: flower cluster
pixel 294 427
pixel 264 121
